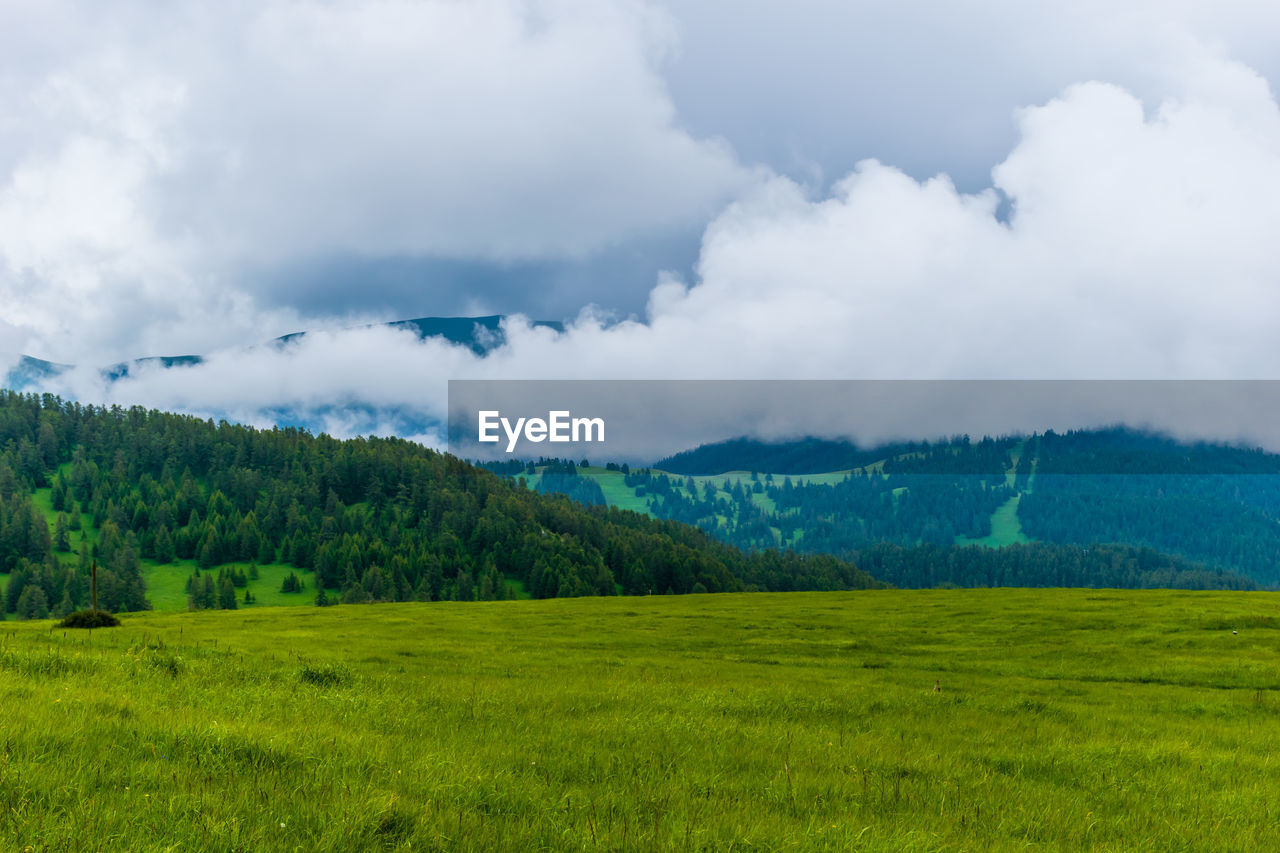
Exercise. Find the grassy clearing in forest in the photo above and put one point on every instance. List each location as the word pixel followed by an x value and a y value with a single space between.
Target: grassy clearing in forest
pixel 1006 528
pixel 1065 720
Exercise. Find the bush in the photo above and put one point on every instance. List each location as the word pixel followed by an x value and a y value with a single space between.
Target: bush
pixel 324 674
pixel 89 619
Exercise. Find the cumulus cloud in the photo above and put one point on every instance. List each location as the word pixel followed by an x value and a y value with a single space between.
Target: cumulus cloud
pixel 1136 247
pixel 496 128
pixel 155 160
pixel 928 85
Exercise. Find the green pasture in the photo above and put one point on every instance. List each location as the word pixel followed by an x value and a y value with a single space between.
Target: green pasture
pixel 940 720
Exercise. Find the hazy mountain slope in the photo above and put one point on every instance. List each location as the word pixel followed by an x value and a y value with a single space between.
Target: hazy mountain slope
pixel 481 334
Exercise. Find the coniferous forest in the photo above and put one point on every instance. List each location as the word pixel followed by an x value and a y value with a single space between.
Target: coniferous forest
pixel 369 519
pixel 923 514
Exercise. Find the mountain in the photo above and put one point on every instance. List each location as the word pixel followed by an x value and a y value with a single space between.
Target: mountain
pixel 803 456
pixel 1111 450
pixel 944 509
pixel 480 334
pixel 31 373
pixel 181 508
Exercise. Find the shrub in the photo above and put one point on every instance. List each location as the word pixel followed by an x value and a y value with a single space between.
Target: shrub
pixel 89 619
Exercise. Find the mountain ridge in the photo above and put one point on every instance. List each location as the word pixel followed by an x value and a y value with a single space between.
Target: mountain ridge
pixel 481 334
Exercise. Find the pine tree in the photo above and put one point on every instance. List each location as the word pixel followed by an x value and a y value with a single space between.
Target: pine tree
pixel 13 592
pixel 32 604
pixel 266 552
pixel 164 547
pixel 67 605
pixel 227 594
pixel 465 587
pixel 209 552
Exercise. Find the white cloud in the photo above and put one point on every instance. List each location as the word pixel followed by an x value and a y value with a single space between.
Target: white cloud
pixel 928 86
pixel 154 158
pixel 140 173
pixel 1138 247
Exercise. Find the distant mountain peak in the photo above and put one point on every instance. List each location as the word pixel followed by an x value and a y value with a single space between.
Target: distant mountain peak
pixel 480 334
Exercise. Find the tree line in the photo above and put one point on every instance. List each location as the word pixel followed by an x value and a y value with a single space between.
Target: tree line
pixel 373 519
pixel 1043 565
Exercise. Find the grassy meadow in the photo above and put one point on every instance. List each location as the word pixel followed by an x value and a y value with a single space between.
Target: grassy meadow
pixel 1064 720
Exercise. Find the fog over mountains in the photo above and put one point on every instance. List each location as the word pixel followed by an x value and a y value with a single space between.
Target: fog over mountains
pixel 476 335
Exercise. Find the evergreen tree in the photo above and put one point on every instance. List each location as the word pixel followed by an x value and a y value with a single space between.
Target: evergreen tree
pixel 165 550
pixel 227 594
pixel 67 605
pixel 32 604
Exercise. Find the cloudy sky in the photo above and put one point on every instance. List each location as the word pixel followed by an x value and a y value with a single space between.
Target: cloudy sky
pixel 702 188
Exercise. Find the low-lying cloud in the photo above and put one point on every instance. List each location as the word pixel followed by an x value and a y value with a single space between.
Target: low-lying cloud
pixel 1136 246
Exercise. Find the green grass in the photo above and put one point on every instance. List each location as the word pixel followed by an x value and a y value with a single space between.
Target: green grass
pixel 43 500
pixel 1006 529
pixel 616 491
pixel 1065 720
pixel 167 584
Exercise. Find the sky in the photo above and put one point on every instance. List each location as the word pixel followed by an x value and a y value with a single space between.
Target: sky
pixel 701 189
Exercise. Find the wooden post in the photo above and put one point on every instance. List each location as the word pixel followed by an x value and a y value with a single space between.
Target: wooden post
pixel 93 584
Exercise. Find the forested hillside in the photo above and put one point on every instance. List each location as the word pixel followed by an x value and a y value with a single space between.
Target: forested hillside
pixel 370 519
pixel 1039 564
pixel 1214 507
pixel 1208 502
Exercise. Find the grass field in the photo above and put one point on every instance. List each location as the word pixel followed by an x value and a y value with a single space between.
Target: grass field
pixel 616 491
pixel 1006 529
pixel 1065 720
pixel 167 584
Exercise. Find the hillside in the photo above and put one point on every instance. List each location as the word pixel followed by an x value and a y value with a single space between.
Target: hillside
pixel 1063 720
pixel 159 500
pixel 1215 509
pixel 804 456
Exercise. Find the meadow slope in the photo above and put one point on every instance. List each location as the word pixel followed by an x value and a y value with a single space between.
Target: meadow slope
pixel 808 721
